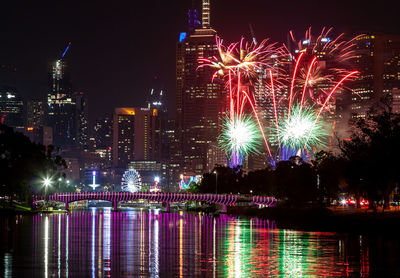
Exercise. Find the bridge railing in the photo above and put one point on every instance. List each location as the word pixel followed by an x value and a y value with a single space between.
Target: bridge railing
pixel 166 197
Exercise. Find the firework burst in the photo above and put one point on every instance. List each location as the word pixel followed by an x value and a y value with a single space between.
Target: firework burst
pixel 243 58
pixel 298 103
pixel 239 137
pixel 301 130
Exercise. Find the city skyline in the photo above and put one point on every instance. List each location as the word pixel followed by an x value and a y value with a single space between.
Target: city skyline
pixel 103 66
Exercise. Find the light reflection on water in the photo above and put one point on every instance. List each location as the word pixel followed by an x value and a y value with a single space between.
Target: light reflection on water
pixel 103 243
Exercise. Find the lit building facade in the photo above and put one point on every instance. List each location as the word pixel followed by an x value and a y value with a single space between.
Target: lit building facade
pixel 81 120
pixel 199 101
pixel 35 113
pixel 11 108
pixel 136 135
pixel 61 106
pixel 378 61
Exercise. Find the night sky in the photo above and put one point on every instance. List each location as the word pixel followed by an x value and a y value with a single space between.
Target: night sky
pixel 120 47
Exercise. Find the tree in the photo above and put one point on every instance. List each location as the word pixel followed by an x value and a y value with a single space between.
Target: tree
pixel 330 170
pixel 372 153
pixel 296 181
pixel 261 181
pixel 24 163
pixel 223 180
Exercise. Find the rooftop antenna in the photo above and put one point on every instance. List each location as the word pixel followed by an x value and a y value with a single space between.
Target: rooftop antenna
pixel 65 51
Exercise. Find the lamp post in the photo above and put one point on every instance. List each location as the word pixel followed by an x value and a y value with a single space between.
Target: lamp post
pixel 46 183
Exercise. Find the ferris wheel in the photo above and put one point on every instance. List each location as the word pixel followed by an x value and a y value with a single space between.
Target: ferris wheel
pixel 131 181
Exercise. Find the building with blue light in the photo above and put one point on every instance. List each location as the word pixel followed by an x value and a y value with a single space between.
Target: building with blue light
pixel 199 101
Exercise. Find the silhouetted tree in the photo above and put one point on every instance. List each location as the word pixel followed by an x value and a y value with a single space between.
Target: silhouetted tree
pixel 372 153
pixel 330 170
pixel 296 181
pixel 24 163
pixel 261 181
pixel 223 180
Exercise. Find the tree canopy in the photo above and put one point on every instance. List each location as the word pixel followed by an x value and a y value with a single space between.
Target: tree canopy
pixel 24 164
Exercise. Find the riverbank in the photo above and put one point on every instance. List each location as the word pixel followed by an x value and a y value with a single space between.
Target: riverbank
pixel 326 219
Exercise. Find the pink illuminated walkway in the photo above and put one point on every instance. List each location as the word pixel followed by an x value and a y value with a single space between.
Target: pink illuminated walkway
pixel 220 199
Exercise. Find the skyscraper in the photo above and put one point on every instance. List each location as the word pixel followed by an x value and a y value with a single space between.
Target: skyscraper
pixel 61 104
pixel 103 129
pixel 81 119
pixel 35 113
pixel 11 108
pixel 199 101
pixel 136 135
pixel 378 61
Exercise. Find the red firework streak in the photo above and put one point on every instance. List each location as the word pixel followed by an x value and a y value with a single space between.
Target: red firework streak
pixel 240 63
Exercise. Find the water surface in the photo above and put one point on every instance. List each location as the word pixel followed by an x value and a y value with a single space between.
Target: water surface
pixel 142 243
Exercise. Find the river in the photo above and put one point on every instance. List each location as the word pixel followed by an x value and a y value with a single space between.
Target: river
pixel 150 243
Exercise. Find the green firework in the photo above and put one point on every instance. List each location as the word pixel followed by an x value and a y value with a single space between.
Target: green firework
pixel 240 136
pixel 301 130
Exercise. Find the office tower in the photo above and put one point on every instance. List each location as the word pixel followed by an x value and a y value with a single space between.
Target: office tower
pixel 136 135
pixel 378 61
pixel 61 104
pixel 103 129
pixel 11 108
pixel 199 101
pixel 81 120
pixel 35 113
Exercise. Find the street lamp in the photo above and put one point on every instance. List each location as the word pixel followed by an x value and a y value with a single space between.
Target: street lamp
pixel 46 183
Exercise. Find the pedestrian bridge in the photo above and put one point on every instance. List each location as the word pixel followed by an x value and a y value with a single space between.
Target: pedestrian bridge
pixel 220 199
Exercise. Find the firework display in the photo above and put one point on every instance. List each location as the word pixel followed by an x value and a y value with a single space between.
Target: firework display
pixel 239 137
pixel 238 65
pixel 300 130
pixel 302 84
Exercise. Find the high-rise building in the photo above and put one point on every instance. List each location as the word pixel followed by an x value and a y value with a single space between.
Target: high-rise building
pixel 81 120
pixel 103 129
pixel 35 113
pixel 199 101
pixel 11 108
pixel 61 104
pixel 136 135
pixel 378 61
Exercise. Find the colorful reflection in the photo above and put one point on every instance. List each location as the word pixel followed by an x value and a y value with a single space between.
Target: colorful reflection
pixel 103 243
pixel 186 181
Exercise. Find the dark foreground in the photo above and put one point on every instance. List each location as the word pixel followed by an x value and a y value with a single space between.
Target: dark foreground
pixel 140 243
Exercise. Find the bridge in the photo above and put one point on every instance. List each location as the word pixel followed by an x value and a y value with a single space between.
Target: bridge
pixel 223 200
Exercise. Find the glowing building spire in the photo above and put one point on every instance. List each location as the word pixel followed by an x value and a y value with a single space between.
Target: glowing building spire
pixel 205 14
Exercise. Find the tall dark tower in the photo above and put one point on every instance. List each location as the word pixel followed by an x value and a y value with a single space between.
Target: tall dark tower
pixel 61 103
pixel 199 102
